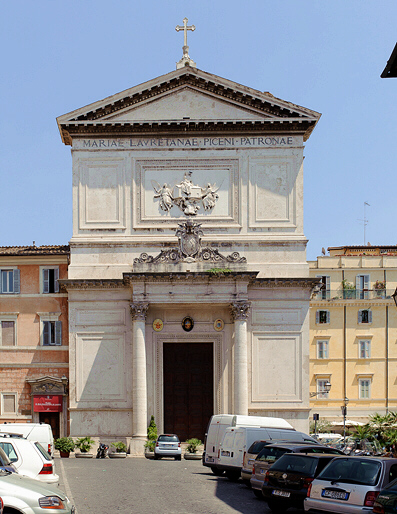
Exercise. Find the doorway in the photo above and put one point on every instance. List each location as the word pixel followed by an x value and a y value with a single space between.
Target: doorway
pixel 51 418
pixel 188 373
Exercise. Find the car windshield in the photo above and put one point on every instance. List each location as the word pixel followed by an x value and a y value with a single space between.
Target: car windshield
pixel 45 454
pixel 168 439
pixel 256 447
pixel 5 461
pixel 269 454
pixel 294 463
pixel 352 470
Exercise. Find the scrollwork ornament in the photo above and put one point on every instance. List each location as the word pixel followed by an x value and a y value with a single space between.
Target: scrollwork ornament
pixel 240 310
pixel 139 311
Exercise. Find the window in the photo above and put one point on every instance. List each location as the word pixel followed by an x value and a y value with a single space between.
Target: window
pixel 364 316
pixel 364 385
pixel 322 349
pixel 362 286
pixel 51 328
pixel 364 349
pixel 10 451
pixel 8 328
pixel 50 276
pixel 322 316
pixel 10 281
pixel 324 293
pixel 8 403
pixel 321 389
pixel 52 333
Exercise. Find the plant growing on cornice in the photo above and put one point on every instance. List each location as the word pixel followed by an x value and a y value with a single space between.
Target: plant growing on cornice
pixel 219 272
pixel 347 285
pixel 380 284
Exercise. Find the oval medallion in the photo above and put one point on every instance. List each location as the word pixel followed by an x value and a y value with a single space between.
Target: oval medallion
pixel 187 324
pixel 219 324
pixel 158 325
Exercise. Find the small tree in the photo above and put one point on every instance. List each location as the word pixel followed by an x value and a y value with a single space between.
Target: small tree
pixel 151 435
pixel 193 445
pixel 84 444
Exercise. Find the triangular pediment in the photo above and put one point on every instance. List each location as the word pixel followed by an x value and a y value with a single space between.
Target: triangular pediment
pixel 186 97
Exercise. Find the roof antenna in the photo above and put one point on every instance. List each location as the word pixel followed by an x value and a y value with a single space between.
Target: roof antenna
pixel 365 221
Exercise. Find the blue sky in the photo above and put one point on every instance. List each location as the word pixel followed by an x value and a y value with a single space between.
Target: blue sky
pixel 324 55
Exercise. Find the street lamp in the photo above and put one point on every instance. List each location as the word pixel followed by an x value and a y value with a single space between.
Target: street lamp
pixel 344 413
pixel 394 296
pixel 326 389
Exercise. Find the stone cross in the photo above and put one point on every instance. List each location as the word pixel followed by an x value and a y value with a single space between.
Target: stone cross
pixel 185 61
pixel 185 28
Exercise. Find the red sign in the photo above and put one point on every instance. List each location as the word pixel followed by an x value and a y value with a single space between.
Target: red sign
pixel 47 403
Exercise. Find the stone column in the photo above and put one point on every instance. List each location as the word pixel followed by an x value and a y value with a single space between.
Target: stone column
pixel 240 313
pixel 139 392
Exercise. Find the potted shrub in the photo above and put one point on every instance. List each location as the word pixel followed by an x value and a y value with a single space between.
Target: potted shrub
pixel 64 445
pixel 84 444
pixel 121 450
pixel 192 449
pixel 349 290
pixel 152 437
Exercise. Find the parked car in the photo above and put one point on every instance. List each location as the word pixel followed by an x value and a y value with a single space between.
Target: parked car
pixel 168 445
pixel 1 505
pixel 287 481
pixel 386 501
pixel 29 458
pixel 23 494
pixel 40 432
pixel 350 484
pixel 257 446
pixel 268 456
pixel 5 462
pixel 220 422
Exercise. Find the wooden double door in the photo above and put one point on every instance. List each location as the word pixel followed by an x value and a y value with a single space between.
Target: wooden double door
pixel 188 373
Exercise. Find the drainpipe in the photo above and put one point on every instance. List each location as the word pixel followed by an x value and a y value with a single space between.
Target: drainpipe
pixel 344 352
pixel 387 359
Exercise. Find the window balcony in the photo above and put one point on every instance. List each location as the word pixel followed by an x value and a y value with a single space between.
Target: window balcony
pixel 354 294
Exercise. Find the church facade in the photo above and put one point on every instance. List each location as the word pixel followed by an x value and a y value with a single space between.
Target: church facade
pixel 188 284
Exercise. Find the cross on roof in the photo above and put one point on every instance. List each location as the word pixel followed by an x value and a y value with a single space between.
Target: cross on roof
pixel 185 61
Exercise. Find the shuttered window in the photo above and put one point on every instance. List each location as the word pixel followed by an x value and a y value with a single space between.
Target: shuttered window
pixel 7 333
pixel 50 280
pixel 322 316
pixel 10 282
pixel 364 316
pixel 52 333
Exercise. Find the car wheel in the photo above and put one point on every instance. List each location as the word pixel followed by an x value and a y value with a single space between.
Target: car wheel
pixel 258 494
pixel 247 483
pixel 178 457
pixel 156 457
pixel 233 475
pixel 277 507
pixel 217 472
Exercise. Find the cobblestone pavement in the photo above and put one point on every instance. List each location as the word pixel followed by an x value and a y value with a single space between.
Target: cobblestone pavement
pixel 140 486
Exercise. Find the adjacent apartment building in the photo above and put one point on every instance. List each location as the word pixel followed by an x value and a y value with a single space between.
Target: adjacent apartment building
pixel 353 333
pixel 34 351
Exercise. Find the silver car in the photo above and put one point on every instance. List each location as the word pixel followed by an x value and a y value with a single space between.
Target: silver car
pixel 30 496
pixel 350 485
pixel 168 445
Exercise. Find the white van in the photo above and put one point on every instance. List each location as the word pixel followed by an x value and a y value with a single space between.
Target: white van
pixel 36 432
pixel 236 441
pixel 220 422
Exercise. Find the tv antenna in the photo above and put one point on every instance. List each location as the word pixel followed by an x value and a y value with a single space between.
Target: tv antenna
pixel 365 221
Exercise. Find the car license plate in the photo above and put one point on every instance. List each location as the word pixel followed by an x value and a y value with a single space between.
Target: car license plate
pixel 285 494
pixel 335 495
pixel 225 453
pixel 251 462
pixel 210 459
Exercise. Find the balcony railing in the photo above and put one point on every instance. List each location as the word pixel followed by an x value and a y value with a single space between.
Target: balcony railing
pixel 354 294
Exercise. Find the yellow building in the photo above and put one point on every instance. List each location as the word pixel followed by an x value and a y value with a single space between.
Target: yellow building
pixel 353 333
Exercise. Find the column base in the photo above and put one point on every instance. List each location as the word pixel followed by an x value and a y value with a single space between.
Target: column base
pixel 137 445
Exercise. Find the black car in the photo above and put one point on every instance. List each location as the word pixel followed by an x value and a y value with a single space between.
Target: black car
pixel 287 481
pixel 387 499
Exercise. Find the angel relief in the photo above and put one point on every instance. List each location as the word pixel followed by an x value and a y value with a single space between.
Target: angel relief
pixel 186 195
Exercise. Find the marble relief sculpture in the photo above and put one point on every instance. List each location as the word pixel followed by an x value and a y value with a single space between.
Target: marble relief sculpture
pixel 186 195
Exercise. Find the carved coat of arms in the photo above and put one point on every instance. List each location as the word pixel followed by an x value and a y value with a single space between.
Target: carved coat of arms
pixel 186 195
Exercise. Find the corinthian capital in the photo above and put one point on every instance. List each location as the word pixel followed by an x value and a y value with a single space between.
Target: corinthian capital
pixel 240 310
pixel 139 310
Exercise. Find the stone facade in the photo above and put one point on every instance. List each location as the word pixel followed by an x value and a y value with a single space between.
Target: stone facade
pixel 356 353
pixel 187 204
pixel 33 334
